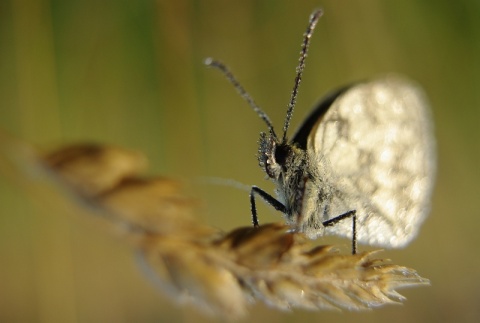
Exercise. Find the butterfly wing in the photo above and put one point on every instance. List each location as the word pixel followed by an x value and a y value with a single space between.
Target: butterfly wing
pixel 377 140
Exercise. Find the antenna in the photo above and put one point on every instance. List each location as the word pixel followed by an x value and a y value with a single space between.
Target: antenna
pixel 244 94
pixel 301 66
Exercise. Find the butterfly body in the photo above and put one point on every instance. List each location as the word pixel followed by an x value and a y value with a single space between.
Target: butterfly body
pixel 369 149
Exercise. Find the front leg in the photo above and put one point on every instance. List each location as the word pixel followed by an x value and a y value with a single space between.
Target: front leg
pixel 268 198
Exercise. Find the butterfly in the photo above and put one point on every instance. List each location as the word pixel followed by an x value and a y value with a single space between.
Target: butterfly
pixel 366 153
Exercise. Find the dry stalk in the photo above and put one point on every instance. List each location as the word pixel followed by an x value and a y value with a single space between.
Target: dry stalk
pixel 220 272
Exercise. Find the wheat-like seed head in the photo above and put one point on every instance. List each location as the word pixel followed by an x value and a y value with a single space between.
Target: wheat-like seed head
pixel 222 273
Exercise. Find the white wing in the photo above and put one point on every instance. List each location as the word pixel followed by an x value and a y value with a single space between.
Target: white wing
pixel 378 139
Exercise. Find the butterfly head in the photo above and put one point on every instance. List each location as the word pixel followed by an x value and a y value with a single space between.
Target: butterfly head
pixel 273 155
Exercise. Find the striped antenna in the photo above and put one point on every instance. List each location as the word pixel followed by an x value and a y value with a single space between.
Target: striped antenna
pixel 244 94
pixel 314 17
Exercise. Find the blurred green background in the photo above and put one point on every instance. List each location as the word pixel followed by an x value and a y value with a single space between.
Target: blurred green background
pixel 130 73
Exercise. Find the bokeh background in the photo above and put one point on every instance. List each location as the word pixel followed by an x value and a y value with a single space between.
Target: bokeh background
pixel 130 73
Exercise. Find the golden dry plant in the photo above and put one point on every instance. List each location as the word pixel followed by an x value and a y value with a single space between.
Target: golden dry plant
pixel 220 272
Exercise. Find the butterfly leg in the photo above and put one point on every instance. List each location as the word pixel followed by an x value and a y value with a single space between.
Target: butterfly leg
pixel 268 198
pixel 353 214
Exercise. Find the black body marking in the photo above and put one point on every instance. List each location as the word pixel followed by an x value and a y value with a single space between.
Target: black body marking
pixel 300 137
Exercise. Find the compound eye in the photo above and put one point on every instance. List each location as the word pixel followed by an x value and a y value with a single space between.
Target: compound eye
pixel 281 154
